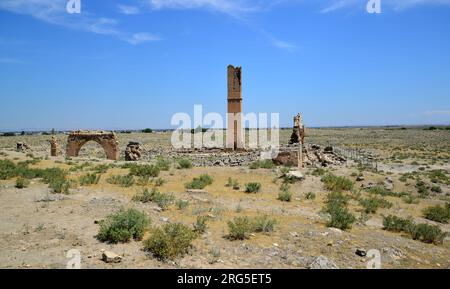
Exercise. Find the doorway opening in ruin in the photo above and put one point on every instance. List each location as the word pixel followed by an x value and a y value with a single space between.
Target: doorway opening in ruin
pixel 107 140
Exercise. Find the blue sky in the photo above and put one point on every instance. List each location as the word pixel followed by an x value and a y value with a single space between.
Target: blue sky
pixel 134 63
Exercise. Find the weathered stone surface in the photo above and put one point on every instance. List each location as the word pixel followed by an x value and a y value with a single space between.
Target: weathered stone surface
pixel 107 140
pixel 54 147
pixel 234 126
pixel 298 133
pixel 322 262
pixel 22 147
pixel 297 175
pixel 133 151
pixel 111 257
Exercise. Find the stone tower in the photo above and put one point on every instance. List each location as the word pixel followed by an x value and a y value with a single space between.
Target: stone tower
pixel 234 128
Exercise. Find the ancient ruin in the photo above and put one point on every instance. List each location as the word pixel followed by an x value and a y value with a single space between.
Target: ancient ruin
pixel 133 151
pixel 298 133
pixel 107 140
pixel 54 147
pixel 234 127
pixel 22 147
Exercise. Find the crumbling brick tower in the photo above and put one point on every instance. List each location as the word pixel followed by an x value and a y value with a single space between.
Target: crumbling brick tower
pixel 234 128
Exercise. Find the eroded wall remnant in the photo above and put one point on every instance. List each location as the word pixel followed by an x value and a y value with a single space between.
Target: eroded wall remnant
pixel 234 126
pixel 107 140
pixel 298 133
pixel 54 147
pixel 133 151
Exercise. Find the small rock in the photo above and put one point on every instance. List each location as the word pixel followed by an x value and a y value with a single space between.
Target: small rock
pixel 360 179
pixel 294 234
pixel 322 262
pixel 111 257
pixel 275 245
pixel 295 175
pixel 361 252
pixel 164 219
pixel 335 230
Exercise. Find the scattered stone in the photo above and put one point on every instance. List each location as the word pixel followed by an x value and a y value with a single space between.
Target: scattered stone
pixel 388 183
pixel 359 178
pixel 294 234
pixel 22 147
pixel 164 219
pixel 322 262
pixel 361 252
pixel 297 175
pixel 111 257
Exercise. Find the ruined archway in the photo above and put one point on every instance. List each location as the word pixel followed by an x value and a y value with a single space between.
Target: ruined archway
pixel 107 140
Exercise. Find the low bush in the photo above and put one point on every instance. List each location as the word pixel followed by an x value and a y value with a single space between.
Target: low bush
pixel 123 181
pixel 170 241
pixel 264 164
pixel 240 228
pixel 123 226
pixel 437 213
pixel 232 183
pixel 22 183
pixel 340 216
pixel 200 182
pixel 60 186
pixel 162 164
pixel 263 224
pixel 310 196
pixel 89 179
pixel 252 188
pixel 372 204
pixel 200 225
pixel 184 164
pixel 285 196
pixel 163 200
pixel 336 183
pixel 182 204
pixel 144 170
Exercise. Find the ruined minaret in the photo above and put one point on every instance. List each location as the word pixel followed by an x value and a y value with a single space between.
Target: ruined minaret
pixel 234 129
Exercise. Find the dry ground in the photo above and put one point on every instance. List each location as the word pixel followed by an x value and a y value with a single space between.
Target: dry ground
pixel 37 233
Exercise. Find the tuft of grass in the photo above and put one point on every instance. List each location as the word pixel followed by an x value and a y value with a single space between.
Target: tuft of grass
pixel 89 179
pixel 162 163
pixel 123 226
pixel 60 186
pixel 123 181
pixel 337 183
pixel 22 183
pixel 263 224
pixel 182 204
pixel 264 164
pixel 144 171
pixel 421 232
pixel 285 196
pixel 252 188
pixel 438 213
pixel 184 164
pixel 336 206
pixel 372 204
pixel 310 196
pixel 232 183
pixel 170 241
pixel 200 225
pixel 200 183
pixel 240 228
pixel 163 200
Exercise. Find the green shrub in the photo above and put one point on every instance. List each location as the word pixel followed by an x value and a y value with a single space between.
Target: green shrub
pixel 436 189
pixel 285 196
pixel 89 179
pixel 159 182
pixel 310 196
pixel 397 224
pixel 263 224
pixel 163 200
pixel 264 164
pixel 144 170
pixel 22 183
pixel 122 226
pixel 182 204
pixel 60 186
pixel 184 164
pixel 170 241
pixel 409 199
pixel 200 225
pixel 428 234
pixel 240 228
pixel 162 163
pixel 437 214
pixel 341 218
pixel 200 182
pixel 252 188
pixel 336 183
pixel 123 181
pixel 372 204
pixel 101 169
pixel 7 169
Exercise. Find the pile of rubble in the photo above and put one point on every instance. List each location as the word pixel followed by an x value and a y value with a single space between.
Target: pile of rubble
pixel 313 155
pixel 133 151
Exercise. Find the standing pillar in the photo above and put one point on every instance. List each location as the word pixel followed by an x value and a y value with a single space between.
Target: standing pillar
pixel 235 133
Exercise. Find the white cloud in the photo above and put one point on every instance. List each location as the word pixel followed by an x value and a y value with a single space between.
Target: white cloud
pixel 128 10
pixel 54 12
pixel 139 38
pixel 235 8
pixel 334 5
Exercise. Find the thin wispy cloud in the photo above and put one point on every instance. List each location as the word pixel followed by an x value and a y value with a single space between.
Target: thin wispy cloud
pixel 128 10
pixel 335 5
pixel 54 12
pixel 139 38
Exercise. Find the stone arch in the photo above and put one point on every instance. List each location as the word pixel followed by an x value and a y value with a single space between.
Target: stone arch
pixel 107 140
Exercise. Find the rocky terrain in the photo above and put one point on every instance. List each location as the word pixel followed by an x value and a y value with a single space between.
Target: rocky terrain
pixel 38 227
